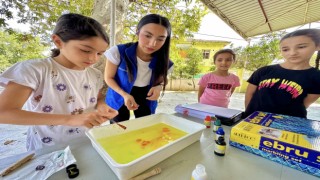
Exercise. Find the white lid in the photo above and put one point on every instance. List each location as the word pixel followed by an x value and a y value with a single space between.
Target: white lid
pixel 201 170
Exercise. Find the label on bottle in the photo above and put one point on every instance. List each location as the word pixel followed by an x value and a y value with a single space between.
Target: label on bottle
pixel 220 149
pixel 207 123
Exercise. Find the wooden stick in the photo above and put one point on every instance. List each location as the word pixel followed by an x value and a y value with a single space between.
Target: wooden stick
pixel 120 125
pixel 147 174
pixel 17 165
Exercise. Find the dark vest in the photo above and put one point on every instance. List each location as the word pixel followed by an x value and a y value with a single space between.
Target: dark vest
pixel 128 55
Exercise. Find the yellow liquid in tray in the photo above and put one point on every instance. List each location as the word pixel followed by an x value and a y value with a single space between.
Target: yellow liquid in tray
pixel 127 147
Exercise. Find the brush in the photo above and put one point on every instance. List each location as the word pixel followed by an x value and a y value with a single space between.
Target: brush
pixel 120 125
pixel 17 165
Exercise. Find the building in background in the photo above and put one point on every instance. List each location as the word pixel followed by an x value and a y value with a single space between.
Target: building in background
pixel 207 47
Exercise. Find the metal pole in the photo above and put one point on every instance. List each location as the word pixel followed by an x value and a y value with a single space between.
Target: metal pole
pixel 113 23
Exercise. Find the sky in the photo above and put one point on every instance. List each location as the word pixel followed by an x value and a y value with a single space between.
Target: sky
pixel 213 28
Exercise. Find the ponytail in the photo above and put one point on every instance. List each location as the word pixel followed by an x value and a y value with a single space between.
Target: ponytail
pixel 55 52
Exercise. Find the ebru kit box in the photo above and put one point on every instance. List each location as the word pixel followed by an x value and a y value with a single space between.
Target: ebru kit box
pixel 291 141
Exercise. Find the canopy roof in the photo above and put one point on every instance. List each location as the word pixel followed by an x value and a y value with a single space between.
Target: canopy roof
pixel 255 17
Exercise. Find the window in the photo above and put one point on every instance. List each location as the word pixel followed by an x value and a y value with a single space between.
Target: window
pixel 206 53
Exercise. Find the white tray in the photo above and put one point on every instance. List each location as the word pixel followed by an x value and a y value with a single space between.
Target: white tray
pixel 133 168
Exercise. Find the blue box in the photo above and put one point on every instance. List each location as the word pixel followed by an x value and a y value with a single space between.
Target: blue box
pixel 291 141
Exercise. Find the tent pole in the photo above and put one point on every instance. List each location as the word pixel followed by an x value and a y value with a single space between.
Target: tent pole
pixel 113 23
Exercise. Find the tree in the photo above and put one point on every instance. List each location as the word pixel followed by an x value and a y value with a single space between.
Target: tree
pixel 184 20
pixel 259 54
pixel 18 47
pixel 179 64
pixel 193 60
pixel 42 15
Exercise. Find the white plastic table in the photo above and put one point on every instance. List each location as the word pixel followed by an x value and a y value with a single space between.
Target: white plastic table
pixel 236 164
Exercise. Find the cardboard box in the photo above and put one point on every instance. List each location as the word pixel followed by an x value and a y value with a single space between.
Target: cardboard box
pixel 137 166
pixel 291 141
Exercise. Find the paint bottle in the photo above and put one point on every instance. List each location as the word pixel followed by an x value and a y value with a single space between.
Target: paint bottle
pixel 199 173
pixel 207 121
pixel 216 125
pixel 220 147
pixel 219 133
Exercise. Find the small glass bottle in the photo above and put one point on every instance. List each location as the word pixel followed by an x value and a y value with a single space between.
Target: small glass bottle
pixel 220 147
pixel 219 133
pixel 207 121
pixel 199 173
pixel 216 125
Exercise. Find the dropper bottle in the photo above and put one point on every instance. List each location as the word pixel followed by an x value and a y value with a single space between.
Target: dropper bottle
pixel 216 125
pixel 199 173
pixel 207 121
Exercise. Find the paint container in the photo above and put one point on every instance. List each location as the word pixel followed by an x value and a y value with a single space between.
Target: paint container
pixel 220 147
pixel 219 133
pixel 199 173
pixel 207 121
pixel 216 125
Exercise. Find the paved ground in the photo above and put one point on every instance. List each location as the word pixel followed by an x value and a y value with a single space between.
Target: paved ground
pixel 15 135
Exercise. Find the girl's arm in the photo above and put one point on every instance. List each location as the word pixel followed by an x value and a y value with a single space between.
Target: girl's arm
pixel 200 92
pixel 232 90
pixel 15 95
pixel 103 108
pixel 251 89
pixel 311 98
pixel 110 72
pixel 155 91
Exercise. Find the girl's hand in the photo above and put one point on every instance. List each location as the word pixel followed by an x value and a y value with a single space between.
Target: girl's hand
pixel 154 93
pixel 130 102
pixel 87 119
pixel 106 111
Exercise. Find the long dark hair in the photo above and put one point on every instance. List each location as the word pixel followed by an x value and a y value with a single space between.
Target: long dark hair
pixel 314 34
pixel 77 27
pixel 162 64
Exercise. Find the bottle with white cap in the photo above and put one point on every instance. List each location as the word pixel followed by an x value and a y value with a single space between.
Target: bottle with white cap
pixel 199 173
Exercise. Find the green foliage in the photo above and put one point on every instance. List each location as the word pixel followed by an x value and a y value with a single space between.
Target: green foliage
pixel 259 54
pixel 6 12
pixel 18 47
pixel 179 64
pixel 212 68
pixel 42 15
pixel 183 20
pixel 193 62
pixel 186 67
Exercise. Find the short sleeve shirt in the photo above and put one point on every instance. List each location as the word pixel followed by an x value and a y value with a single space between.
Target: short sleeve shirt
pixel 144 73
pixel 56 90
pixel 282 91
pixel 217 90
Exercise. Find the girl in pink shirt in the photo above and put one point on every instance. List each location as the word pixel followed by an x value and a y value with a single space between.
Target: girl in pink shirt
pixel 216 88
